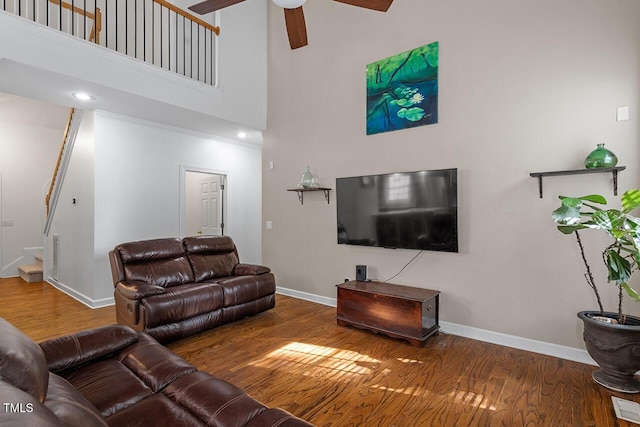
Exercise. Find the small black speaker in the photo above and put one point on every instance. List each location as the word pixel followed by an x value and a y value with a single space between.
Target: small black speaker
pixel 361 273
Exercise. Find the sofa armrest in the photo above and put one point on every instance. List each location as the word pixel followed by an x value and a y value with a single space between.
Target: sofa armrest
pixel 250 270
pixel 72 350
pixel 135 290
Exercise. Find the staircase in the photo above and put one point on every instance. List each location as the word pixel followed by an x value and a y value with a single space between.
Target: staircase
pixel 32 272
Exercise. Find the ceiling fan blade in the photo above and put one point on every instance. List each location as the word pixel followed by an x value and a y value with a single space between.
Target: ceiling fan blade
pixel 296 27
pixel 380 5
pixel 212 5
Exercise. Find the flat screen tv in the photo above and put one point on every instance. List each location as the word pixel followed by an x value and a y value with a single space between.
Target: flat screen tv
pixel 408 210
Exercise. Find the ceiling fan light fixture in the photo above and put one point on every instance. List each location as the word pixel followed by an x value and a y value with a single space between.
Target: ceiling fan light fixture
pixel 289 4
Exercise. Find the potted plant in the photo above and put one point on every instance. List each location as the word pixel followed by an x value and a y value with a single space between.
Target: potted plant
pixel 612 338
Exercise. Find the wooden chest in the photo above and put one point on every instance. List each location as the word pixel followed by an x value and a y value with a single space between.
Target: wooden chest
pixel 394 310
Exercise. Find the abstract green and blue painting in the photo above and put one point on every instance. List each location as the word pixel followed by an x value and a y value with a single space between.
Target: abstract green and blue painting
pixel 402 90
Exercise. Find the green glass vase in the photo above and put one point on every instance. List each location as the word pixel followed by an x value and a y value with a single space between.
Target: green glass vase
pixel 600 158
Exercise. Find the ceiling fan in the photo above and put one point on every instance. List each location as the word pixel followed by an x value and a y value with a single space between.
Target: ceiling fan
pixel 293 14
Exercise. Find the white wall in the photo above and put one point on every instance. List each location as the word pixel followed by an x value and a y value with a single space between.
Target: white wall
pixel 524 87
pixel 137 187
pixel 29 150
pixel 73 221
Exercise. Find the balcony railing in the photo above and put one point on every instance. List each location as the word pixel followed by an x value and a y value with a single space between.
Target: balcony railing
pixel 153 31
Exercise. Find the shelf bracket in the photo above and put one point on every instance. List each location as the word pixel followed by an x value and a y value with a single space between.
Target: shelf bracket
pixel 540 185
pixel 326 194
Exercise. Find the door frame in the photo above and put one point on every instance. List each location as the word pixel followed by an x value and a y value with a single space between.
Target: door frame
pixel 183 194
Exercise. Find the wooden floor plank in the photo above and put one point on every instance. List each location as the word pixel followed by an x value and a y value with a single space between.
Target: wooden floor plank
pixel 297 358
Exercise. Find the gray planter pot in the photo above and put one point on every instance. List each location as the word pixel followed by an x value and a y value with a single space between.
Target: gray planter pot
pixel 616 349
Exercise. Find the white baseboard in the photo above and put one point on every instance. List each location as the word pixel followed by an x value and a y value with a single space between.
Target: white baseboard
pixel 78 296
pixel 549 349
pixel 331 302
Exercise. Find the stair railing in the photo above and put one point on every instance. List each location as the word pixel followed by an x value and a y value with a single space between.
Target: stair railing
pixel 68 142
pixel 56 169
pixel 96 18
pixel 154 31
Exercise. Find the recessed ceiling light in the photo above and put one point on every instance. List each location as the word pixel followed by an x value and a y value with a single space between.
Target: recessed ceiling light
pixel 82 96
pixel 242 135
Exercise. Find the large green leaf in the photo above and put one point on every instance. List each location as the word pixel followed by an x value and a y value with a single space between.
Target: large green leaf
pixel 568 229
pixel 619 267
pixel 630 200
pixel 630 291
pixel 567 214
pixel 604 219
pixel 595 198
pixel 573 202
pixel 577 201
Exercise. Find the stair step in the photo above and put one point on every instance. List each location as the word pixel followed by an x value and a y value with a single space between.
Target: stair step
pixel 39 259
pixel 31 273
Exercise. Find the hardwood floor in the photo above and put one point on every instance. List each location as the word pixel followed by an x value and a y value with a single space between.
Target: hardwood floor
pixel 297 358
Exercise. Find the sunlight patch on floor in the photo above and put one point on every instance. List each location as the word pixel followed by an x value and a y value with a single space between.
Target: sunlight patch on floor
pixel 469 398
pixel 462 397
pixel 314 360
pixel 412 390
pixel 400 359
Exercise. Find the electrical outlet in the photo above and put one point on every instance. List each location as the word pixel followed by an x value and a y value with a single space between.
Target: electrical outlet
pixel 622 114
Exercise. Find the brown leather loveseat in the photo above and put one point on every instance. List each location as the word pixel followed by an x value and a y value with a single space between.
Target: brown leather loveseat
pixel 172 288
pixel 115 376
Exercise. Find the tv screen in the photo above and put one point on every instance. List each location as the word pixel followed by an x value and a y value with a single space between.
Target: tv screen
pixel 409 210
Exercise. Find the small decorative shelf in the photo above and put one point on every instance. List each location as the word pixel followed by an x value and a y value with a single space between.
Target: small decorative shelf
pixel 613 171
pixel 301 191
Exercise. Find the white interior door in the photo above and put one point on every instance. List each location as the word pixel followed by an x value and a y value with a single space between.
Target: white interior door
pixel 204 203
pixel 211 205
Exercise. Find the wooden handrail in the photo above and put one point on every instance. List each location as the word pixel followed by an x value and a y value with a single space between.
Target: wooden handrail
pixel 75 9
pixel 96 18
pixel 57 167
pixel 189 16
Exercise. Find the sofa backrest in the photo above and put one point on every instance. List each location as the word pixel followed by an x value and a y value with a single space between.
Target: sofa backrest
pixel 162 262
pixel 22 362
pixel 211 256
pixel 30 394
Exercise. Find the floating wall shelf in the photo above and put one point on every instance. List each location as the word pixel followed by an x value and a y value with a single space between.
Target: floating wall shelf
pixel 301 191
pixel 613 171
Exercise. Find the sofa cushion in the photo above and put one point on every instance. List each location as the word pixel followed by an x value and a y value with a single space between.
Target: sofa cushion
pixel 22 362
pixel 109 385
pixel 154 411
pixel 70 406
pixel 182 302
pixel 161 262
pixel 214 401
pixel 276 417
pixel 186 328
pixel 153 363
pixel 211 256
pixel 241 289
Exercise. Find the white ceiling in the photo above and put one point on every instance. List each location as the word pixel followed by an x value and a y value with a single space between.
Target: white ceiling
pixel 32 82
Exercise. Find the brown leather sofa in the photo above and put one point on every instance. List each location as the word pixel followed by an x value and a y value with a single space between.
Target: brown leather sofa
pixel 115 376
pixel 172 288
